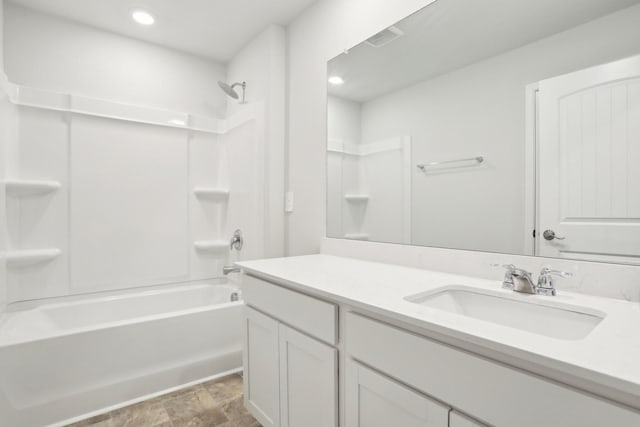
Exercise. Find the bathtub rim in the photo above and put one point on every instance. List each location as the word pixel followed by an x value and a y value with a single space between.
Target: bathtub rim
pixel 29 304
pixel 11 341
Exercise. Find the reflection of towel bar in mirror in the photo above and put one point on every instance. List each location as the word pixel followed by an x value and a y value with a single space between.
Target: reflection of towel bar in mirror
pixel 478 160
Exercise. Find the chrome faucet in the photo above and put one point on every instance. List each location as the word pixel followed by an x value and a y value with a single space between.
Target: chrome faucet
pixel 519 280
pixel 237 241
pixel 545 281
pixel 227 269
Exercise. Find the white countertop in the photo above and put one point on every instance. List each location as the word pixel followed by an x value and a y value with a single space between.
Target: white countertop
pixel 608 358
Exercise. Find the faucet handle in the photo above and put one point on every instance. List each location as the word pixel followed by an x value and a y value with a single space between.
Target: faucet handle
pixel 547 271
pixel 545 281
pixel 509 267
pixel 507 282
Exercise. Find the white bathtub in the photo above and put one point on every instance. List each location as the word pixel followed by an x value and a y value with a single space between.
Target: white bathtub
pixel 65 360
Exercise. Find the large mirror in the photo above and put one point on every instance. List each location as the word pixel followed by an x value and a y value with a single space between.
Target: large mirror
pixel 503 126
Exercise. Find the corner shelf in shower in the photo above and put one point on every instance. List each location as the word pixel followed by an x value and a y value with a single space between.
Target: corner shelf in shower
pixel 22 188
pixel 357 236
pixel 356 198
pixel 211 245
pixel 26 258
pixel 211 193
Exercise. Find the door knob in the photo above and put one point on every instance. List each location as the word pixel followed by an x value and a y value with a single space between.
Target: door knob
pixel 550 235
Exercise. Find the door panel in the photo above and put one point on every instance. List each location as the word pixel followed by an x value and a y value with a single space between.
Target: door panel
pixel 308 381
pixel 261 376
pixel 589 163
pixel 373 400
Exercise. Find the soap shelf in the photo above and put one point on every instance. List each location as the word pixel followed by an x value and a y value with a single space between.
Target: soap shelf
pixel 357 236
pixel 211 245
pixel 26 258
pixel 211 193
pixel 356 198
pixel 21 188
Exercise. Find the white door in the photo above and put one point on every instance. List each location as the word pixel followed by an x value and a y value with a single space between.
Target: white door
pixel 261 367
pixel 458 420
pixel 589 164
pixel 308 381
pixel 373 400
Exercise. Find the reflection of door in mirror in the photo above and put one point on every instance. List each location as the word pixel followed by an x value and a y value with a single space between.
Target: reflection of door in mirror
pixel 589 164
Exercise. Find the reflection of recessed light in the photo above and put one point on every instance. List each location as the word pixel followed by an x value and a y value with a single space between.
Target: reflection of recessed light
pixel 177 122
pixel 336 80
pixel 143 17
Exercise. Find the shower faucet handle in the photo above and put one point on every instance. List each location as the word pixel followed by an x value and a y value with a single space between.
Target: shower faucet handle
pixel 237 240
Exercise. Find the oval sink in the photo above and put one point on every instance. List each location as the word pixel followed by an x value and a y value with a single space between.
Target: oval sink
pixel 555 320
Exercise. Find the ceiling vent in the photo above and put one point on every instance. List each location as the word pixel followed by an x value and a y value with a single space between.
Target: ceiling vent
pixel 384 37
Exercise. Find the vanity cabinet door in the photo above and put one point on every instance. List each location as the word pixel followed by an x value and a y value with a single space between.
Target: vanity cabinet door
pixel 308 381
pixel 373 400
pixel 458 420
pixel 261 367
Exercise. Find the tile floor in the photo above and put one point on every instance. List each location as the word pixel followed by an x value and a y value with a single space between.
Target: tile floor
pixel 216 403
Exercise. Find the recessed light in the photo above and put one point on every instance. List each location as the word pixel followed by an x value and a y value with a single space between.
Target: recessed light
pixel 336 80
pixel 143 17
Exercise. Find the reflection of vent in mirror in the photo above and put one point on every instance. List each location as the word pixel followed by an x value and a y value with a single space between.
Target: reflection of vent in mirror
pixel 384 37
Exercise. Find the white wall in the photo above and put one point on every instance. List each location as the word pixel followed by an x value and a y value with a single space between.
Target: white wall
pixel 4 119
pixel 343 127
pixel 2 36
pixel 462 109
pixel 330 26
pixel 365 167
pixel 51 53
pixel 320 33
pixel 126 214
pixel 343 120
pixel 262 64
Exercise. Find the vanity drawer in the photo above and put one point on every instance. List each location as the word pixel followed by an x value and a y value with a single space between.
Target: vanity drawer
pixel 487 390
pixel 311 315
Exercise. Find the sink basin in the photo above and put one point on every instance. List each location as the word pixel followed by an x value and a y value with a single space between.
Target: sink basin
pixel 520 311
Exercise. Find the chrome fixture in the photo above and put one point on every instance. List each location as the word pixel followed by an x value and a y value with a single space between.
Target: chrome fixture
pixel 545 281
pixel 237 240
pixel 235 296
pixel 228 269
pixel 230 90
pixel 519 280
pixel 550 235
pixel 477 160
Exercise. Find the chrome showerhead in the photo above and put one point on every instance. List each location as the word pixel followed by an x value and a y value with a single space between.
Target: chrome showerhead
pixel 230 89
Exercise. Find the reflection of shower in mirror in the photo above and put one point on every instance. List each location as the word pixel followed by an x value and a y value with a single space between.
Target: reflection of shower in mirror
pixel 231 91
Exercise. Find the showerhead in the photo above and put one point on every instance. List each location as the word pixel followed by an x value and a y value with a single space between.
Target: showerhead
pixel 230 89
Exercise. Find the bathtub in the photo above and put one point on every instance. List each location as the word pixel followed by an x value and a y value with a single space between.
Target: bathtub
pixel 62 361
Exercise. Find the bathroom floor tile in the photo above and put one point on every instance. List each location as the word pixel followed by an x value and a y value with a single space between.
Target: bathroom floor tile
pixel 148 414
pixel 103 420
pixel 195 409
pixel 227 388
pixel 217 403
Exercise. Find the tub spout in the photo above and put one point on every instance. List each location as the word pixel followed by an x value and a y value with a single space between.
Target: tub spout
pixel 230 269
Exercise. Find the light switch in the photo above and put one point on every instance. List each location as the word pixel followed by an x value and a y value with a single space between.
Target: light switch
pixel 288 202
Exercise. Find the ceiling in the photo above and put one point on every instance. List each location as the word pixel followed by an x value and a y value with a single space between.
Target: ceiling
pixel 451 34
pixel 215 29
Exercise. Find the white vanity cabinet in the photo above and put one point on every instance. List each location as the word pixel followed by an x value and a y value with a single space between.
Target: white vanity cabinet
pixel 485 389
pixel 261 364
pixel 290 374
pixel 308 381
pixel 389 375
pixel 373 400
